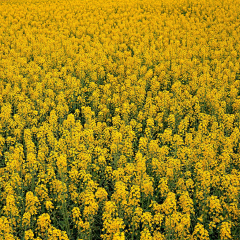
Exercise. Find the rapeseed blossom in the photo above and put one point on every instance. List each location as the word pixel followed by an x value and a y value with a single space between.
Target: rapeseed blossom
pixel 119 119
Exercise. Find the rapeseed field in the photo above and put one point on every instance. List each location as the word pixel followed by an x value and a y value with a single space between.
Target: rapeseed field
pixel 119 120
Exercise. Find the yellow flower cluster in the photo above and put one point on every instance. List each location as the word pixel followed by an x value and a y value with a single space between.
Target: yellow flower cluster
pixel 119 119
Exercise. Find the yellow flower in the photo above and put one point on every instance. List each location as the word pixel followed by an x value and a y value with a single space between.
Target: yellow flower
pixel 147 187
pixel 158 235
pixel 169 205
pixel 26 219
pixel 90 204
pixel 186 203
pixel 28 235
pixel 43 222
pixel 119 236
pixel 200 233
pixel 56 234
pixel 147 219
pixel 163 187
pixel 32 203
pixel 101 194
pixel 146 235
pixel 225 230
pixel 62 163
pixel 49 205
pixel 76 213
pixel 136 102
pixel 11 208
pixel 134 196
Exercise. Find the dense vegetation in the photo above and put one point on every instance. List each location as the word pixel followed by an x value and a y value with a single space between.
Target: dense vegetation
pixel 119 119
